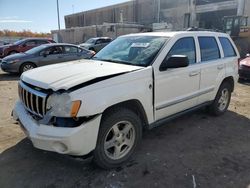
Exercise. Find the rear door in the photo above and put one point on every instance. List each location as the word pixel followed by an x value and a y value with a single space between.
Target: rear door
pixel 212 67
pixel 71 53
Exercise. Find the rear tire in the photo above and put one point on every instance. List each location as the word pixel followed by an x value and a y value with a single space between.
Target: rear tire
pixel 222 100
pixel 120 133
pixel 26 66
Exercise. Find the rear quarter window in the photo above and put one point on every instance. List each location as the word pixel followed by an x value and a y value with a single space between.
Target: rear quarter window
pixel 209 48
pixel 227 46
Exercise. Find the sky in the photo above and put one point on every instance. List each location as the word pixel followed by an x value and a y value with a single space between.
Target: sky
pixel 41 15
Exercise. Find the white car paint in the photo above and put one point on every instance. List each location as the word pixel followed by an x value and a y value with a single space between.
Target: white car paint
pixel 161 94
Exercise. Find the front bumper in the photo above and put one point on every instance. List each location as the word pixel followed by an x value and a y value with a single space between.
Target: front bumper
pixel 9 67
pixel 73 141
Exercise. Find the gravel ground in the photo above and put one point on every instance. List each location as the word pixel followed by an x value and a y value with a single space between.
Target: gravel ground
pixel 196 150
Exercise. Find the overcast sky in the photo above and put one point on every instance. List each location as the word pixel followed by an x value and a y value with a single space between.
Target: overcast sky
pixel 41 15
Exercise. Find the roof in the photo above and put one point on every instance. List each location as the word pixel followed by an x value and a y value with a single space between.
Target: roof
pixel 59 44
pixel 175 33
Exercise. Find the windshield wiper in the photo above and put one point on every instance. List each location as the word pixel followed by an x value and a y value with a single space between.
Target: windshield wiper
pixel 117 61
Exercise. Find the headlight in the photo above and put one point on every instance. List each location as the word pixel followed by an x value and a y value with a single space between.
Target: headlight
pixel 13 61
pixel 61 105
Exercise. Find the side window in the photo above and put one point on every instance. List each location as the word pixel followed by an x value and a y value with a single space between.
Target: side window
pixel 30 43
pixel 53 50
pixel 70 49
pixel 228 48
pixel 99 41
pixel 209 48
pixel 184 46
pixel 40 42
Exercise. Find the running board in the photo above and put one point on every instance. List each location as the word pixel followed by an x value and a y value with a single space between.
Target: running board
pixel 174 116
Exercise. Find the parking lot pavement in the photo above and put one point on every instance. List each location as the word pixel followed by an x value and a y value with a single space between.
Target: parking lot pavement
pixel 196 148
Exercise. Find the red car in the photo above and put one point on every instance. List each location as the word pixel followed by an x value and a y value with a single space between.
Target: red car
pixel 22 46
pixel 244 68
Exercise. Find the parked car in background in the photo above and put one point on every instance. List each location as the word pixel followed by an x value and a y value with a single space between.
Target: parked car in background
pixel 44 55
pixel 244 68
pixel 22 46
pixel 3 43
pixel 96 44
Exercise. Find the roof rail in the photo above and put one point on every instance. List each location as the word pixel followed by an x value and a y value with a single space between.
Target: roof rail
pixel 202 29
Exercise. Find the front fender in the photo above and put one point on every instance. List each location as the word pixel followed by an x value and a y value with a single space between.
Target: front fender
pixel 130 86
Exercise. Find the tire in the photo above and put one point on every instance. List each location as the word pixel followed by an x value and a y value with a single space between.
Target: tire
pixel 222 100
pixel 119 127
pixel 26 66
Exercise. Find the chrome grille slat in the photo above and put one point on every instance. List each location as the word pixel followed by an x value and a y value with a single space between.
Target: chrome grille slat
pixel 27 99
pixel 33 100
pixel 37 104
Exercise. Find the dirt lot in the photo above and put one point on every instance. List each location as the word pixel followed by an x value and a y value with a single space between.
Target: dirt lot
pixel 195 149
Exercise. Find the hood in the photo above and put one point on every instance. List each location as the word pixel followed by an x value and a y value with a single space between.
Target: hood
pixel 15 56
pixel 5 46
pixel 85 45
pixel 67 75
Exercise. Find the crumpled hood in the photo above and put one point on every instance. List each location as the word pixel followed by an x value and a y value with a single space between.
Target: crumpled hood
pixel 67 75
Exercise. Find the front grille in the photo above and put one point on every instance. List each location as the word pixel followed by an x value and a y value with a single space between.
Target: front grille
pixel 33 100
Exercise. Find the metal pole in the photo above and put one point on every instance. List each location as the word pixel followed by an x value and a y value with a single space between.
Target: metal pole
pixel 159 10
pixel 58 16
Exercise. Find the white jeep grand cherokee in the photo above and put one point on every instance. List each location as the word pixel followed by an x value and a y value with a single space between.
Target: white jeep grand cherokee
pixel 101 106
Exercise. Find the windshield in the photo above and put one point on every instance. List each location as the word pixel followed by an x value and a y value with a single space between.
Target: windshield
pixel 132 50
pixel 90 41
pixel 19 42
pixel 36 49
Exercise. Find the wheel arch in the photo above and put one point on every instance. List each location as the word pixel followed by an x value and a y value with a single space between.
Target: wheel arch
pixel 134 105
pixel 20 66
pixel 229 80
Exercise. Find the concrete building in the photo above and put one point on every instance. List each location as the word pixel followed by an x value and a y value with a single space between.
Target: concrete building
pixel 160 14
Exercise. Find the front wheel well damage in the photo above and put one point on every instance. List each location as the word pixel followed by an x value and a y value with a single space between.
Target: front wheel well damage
pixel 133 105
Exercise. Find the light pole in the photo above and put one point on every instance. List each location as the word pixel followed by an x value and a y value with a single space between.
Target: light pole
pixel 58 16
pixel 159 11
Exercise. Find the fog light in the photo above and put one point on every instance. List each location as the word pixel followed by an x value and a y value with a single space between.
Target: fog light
pixel 60 147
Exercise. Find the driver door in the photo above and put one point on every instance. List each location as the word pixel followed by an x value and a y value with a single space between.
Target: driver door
pixel 51 55
pixel 176 89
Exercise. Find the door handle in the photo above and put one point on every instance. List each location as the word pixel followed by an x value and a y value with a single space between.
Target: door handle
pixel 194 73
pixel 219 67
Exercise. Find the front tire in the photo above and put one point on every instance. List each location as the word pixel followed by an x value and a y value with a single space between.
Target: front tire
pixel 222 100
pixel 26 66
pixel 120 132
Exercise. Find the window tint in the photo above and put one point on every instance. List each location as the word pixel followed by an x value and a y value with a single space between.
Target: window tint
pixel 30 43
pixel 70 49
pixel 184 46
pixel 227 47
pixel 40 42
pixel 209 48
pixel 53 50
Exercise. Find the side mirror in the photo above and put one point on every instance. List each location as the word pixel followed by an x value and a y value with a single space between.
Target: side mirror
pixel 44 54
pixel 175 61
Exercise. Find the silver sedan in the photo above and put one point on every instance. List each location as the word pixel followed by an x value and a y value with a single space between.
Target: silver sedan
pixel 44 55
